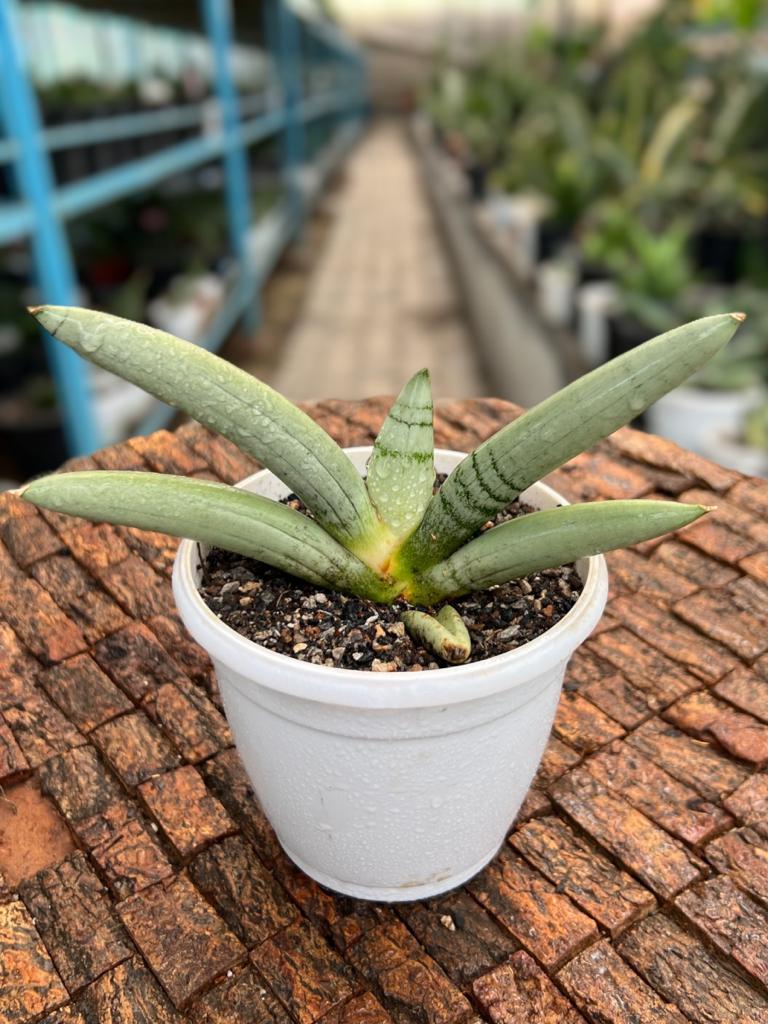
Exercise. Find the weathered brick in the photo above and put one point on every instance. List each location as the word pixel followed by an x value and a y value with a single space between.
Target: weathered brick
pixel 694 565
pixel 608 689
pixel 714 613
pixel 558 757
pixel 459 935
pixel 18 669
pixel 137 662
pixel 730 920
pixel 174 637
pixel 756 565
pixel 79 784
pixel 648 852
pixel 655 675
pixel 135 748
pixel 749 803
pixel 735 516
pixel 120 456
pixel 301 968
pixel 225 777
pixel 576 867
pixel 594 475
pixel 650 579
pixel 223 457
pixel 29 538
pixel 657 625
pixel 13 765
pixel 411 983
pixel 689 760
pixel 128 995
pixel 608 991
pixel 195 726
pixel 137 588
pixel 189 816
pixel 172 924
pixel 747 690
pixel 242 998
pixel 80 596
pixel 38 621
pixel 535 804
pixel 750 596
pixel 41 730
pixel 705 716
pixel 29 983
pixel 157 549
pixel 743 853
pixel 363 1009
pixel 74 918
pixel 664 799
pixel 657 451
pixel 583 726
pixel 246 895
pixel 684 972
pixel 128 856
pixel 82 691
pixel 717 539
pixel 167 453
pixel 751 493
pixel 96 546
pixel 542 919
pixel 518 992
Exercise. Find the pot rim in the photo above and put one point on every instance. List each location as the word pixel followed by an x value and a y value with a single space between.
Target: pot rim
pixel 355 687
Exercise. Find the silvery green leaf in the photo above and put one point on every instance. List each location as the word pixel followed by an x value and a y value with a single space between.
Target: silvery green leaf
pixel 401 470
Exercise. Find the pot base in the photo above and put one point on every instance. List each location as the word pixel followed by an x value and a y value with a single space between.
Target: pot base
pixel 406 893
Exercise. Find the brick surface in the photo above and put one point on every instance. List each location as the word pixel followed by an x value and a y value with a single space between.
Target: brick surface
pixel 74 918
pixel 651 790
pixel 648 852
pixel 519 992
pixel 543 920
pixel 743 853
pixel 730 920
pixel 172 925
pixel 664 799
pixel 305 973
pixel 703 715
pixel 459 935
pixel 246 895
pixel 410 983
pixel 83 692
pixel 190 817
pixel 29 984
pixel 607 990
pixel 80 596
pixel 684 971
pixel 135 748
pixel 578 869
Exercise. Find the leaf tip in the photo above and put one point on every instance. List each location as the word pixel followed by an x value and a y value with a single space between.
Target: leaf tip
pixel 739 317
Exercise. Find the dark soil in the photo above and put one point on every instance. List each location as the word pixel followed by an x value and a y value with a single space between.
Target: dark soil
pixel 323 627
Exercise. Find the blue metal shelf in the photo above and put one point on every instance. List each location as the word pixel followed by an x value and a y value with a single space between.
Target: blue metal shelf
pixel 42 210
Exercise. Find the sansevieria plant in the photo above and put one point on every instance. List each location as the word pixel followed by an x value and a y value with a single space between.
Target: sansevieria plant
pixel 387 537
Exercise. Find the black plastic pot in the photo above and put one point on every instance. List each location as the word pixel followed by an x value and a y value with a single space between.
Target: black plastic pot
pixel 477 176
pixel 553 236
pixel 719 253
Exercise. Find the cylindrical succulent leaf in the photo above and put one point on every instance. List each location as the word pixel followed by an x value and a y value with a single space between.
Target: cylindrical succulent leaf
pixel 213 514
pixel 258 419
pixel 558 428
pixel 445 634
pixel 401 470
pixel 543 540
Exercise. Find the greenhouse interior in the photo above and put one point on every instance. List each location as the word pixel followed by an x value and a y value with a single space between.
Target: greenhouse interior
pixel 383 512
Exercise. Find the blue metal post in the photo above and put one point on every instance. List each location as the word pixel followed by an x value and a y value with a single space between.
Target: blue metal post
pixel 217 19
pixel 53 258
pixel 284 40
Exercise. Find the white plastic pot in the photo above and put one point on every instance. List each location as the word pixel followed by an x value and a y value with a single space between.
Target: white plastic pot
pixel 390 786
pixel 695 417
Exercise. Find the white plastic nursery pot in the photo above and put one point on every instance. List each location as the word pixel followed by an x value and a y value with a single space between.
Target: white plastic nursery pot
pixel 695 417
pixel 390 786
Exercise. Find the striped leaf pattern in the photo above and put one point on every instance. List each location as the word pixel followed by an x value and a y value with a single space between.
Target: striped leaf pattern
pixel 259 420
pixel 558 428
pixel 401 470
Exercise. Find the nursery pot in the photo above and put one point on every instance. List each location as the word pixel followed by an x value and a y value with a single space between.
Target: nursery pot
pixel 390 786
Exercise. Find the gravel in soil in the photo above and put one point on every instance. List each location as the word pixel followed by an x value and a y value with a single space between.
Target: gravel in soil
pixel 323 627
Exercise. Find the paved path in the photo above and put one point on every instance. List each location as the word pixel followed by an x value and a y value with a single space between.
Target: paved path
pixel 382 303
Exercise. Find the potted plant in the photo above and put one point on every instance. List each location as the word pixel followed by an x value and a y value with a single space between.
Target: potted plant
pixel 383 785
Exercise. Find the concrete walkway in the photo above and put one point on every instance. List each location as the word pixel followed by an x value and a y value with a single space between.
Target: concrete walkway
pixel 381 304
